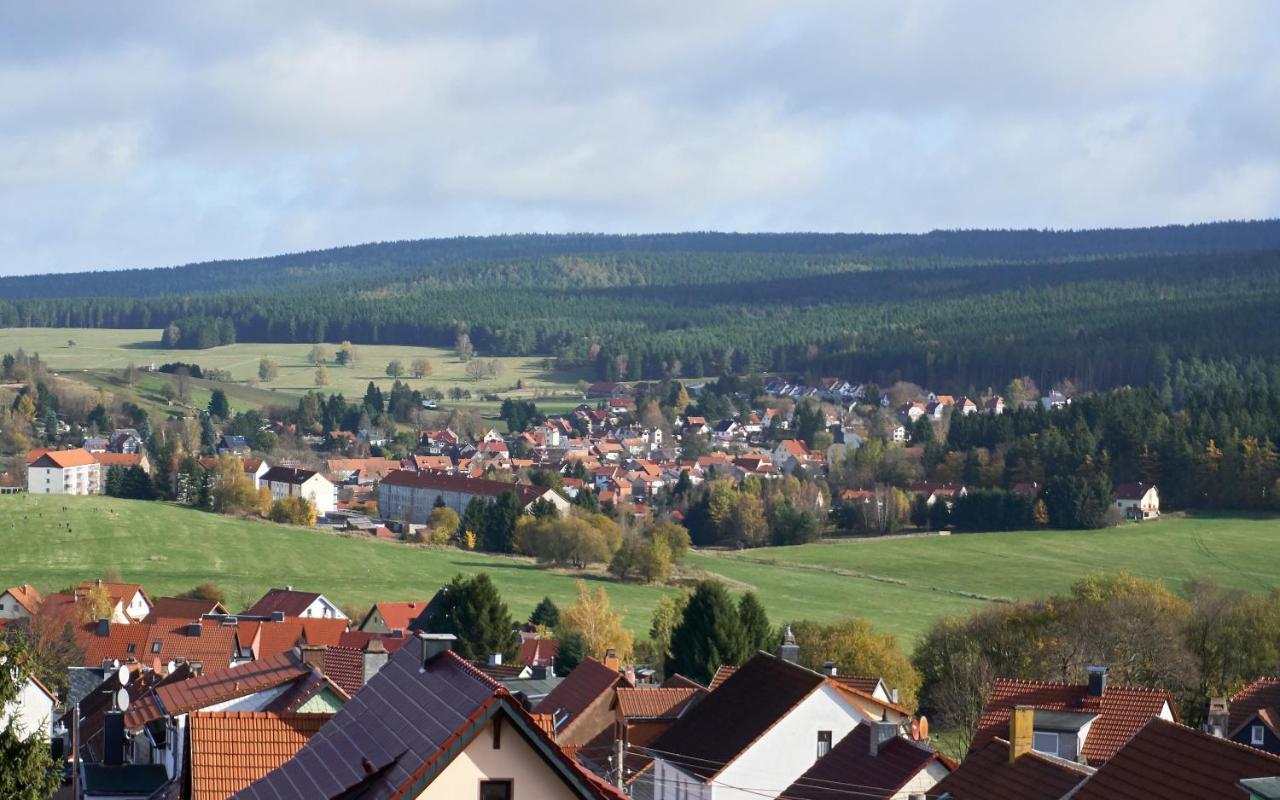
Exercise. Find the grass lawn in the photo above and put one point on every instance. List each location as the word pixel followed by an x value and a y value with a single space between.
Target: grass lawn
pixel 900 584
pixel 101 352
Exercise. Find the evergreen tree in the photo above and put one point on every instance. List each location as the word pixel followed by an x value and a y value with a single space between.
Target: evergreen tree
pixel 546 615
pixel 208 433
pixel 472 609
pixel 756 632
pixel 709 634
pixel 570 652
pixel 499 527
pixel 219 408
pixel 27 771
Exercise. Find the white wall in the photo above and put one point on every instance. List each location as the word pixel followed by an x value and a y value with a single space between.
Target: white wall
pixel 515 760
pixel 923 781
pixel 672 783
pixel 32 709
pixel 73 480
pixel 11 608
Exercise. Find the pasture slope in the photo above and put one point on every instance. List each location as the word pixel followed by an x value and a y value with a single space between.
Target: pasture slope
pixel 901 584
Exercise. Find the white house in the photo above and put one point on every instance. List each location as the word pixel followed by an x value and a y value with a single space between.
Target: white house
pixel 31 710
pixel 297 482
pixel 1138 501
pixel 288 603
pixel 63 472
pixel 20 602
pixel 763 728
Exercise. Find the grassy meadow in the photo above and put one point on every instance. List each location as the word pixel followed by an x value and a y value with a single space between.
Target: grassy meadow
pixel 902 583
pixel 98 355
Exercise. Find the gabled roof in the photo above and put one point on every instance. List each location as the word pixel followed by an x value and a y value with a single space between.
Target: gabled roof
pixel 232 749
pixel 987 774
pixel 715 731
pixel 275 637
pixel 722 674
pixel 1261 694
pixel 286 601
pixel 291 475
pixel 212 688
pixel 397 616
pixel 63 459
pixel 678 681
pixel 1122 711
pixel 119 459
pixel 1132 491
pixel 1174 762
pixel 406 725
pixel 850 763
pixel 650 703
pixel 181 608
pixel 578 690
pixel 26 596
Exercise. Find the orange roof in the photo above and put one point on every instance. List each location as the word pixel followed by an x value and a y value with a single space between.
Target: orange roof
pixel 722 674
pixel 66 458
pixel 655 703
pixel 232 749
pixel 274 638
pixel 397 616
pixel 118 459
pixel 27 597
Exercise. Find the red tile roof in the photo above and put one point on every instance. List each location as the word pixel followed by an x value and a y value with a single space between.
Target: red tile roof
pixel 232 749
pixel 579 689
pixel 62 459
pixel 397 616
pixel 864 685
pixel 209 689
pixel 285 601
pixel 345 667
pixel 27 597
pixel 538 652
pixel 986 774
pixel 651 703
pixel 722 674
pixel 1122 711
pixel 850 763
pixel 272 638
pixel 1174 762
pixel 1261 694
pixel 183 608
pixel 118 459
pixel 359 640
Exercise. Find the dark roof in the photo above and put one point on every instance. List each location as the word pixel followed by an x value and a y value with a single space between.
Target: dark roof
pixel 293 475
pixel 1132 491
pixel 1122 711
pixel 129 779
pixel 345 667
pixel 286 601
pixel 405 725
pixel 525 493
pixel 1174 762
pixel 1262 693
pixel 180 608
pixel 986 774
pixel 578 690
pixel 678 681
pixel 202 691
pixel 736 713
pixel 850 763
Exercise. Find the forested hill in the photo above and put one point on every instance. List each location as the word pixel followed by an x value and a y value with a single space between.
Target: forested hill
pixel 950 309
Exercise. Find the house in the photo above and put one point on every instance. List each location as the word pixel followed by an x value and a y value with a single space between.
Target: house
pixel 237 446
pixel 581 706
pixel 642 715
pixel 254 468
pixel 125 440
pixel 791 453
pixel 998 771
pixel 297 482
pixel 1254 715
pixel 765 725
pixel 469 738
pixel 183 609
pixel 966 406
pixel 123 460
pixel 20 602
pixel 64 472
pixel 994 405
pixel 1138 501
pixel 289 603
pixel 130 599
pixel 208 643
pixel 1086 724
pixel 1054 400
pixel 391 617
pixel 1171 761
pixel 411 496
pixel 879 760
pixel 31 711
pixel 232 749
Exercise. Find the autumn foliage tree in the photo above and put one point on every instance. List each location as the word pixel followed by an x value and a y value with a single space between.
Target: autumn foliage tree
pixel 591 617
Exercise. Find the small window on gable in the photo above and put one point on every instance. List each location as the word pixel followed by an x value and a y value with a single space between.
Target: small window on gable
pixel 1257 735
pixel 824 743
pixel 496 790
pixel 1045 743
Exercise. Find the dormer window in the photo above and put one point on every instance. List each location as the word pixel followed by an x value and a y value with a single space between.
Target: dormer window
pixel 1045 743
pixel 1257 735
pixel 155 647
pixel 131 648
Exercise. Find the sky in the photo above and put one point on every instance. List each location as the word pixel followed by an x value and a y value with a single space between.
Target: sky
pixel 149 134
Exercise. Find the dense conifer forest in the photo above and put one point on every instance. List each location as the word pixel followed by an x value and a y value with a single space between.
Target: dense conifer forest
pixel 947 309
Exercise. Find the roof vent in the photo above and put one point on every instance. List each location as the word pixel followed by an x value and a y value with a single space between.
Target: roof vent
pixel 882 732
pixel 829 669
pixel 433 644
pixel 789 650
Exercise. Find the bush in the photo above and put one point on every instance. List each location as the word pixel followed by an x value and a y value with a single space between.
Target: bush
pixel 293 511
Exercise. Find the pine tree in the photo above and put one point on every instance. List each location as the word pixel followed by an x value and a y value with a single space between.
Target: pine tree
pixel 546 615
pixel 709 634
pixel 219 408
pixel 472 609
pixel 569 653
pixel 756 632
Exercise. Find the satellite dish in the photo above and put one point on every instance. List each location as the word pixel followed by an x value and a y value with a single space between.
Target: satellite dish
pixel 924 727
pixel 115 663
pixel 915 729
pixel 122 700
pixel 122 675
pixel 170 667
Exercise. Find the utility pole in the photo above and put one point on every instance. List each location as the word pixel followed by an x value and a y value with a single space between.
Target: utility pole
pixel 75 752
pixel 619 772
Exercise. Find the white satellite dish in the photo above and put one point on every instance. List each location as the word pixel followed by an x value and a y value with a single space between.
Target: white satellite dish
pixel 122 675
pixel 115 663
pixel 122 700
pixel 170 667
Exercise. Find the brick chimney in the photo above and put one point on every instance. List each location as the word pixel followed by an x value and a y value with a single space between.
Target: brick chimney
pixel 612 661
pixel 1097 681
pixel 882 732
pixel 1021 724
pixel 312 655
pixel 789 650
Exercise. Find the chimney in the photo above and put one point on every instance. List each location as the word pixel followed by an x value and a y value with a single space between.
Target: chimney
pixel 611 660
pixel 375 658
pixel 104 628
pixel 495 659
pixel 1021 723
pixel 113 739
pixel 433 644
pixel 829 669
pixel 1097 681
pixel 789 650
pixel 540 673
pixel 196 668
pixel 1216 717
pixel 194 629
pixel 312 655
pixel 882 732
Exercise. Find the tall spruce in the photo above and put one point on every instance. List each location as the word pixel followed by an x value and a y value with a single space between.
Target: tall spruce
pixel 709 634
pixel 472 609
pixel 546 615
pixel 757 634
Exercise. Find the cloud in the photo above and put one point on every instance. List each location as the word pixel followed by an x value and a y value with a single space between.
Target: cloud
pixel 159 133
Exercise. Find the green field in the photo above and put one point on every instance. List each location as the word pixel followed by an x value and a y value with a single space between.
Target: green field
pixel 900 583
pixel 99 353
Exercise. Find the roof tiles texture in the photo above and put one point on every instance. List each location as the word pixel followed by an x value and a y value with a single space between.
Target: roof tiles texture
pixel 345 667
pixel 1174 762
pixel 655 703
pixel 209 689
pixel 286 601
pixel 850 763
pixel 232 749
pixel 1262 693
pixel 579 689
pixel 986 774
pixel 1122 712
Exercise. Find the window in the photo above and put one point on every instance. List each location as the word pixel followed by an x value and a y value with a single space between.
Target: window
pixel 1045 743
pixel 495 790
pixel 155 647
pixel 1257 735
pixel 824 743
pixel 131 648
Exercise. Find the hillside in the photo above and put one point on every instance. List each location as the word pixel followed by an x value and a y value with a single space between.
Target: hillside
pixel 949 309
pixel 902 583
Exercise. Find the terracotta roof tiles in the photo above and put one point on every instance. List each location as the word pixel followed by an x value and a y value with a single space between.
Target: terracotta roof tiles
pixel 232 749
pixel 850 763
pixel 987 774
pixel 345 667
pixel 655 703
pixel 209 689
pixel 1261 694
pixel 579 689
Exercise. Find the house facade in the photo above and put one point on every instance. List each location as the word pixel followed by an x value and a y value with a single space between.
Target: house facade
pixel 1138 501
pixel 64 472
pixel 412 496
pixel 296 482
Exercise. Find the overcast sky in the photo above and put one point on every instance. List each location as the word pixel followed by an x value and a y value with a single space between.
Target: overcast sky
pixel 147 134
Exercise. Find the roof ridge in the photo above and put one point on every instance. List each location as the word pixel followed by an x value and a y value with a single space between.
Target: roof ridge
pixel 473 670
pixel 1083 686
pixel 1239 746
